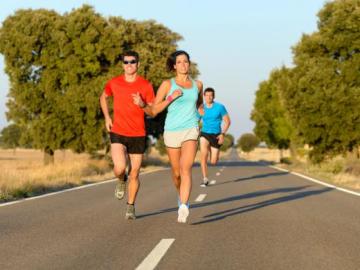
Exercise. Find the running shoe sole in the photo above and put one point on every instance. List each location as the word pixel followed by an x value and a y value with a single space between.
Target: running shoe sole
pixel 130 212
pixel 183 213
pixel 120 190
pixel 205 184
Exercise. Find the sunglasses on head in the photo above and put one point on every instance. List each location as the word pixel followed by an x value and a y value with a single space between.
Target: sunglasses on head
pixel 129 62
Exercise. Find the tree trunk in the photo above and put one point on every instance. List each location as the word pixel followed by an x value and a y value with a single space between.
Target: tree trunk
pixel 281 154
pixel 48 156
pixel 355 153
pixel 293 152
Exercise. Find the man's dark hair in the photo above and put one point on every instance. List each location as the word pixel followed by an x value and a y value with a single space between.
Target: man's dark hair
pixel 130 53
pixel 171 61
pixel 209 89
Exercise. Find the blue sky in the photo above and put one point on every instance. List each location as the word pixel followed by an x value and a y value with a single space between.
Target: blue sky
pixel 236 44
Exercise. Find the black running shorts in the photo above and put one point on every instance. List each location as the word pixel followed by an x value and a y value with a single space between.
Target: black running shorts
pixel 134 145
pixel 212 139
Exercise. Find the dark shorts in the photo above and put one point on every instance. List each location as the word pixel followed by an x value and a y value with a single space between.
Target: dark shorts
pixel 212 139
pixel 134 145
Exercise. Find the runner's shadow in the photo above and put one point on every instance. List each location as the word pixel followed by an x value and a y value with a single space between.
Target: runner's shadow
pixel 258 176
pixel 251 207
pixel 244 163
pixel 229 199
pixel 238 163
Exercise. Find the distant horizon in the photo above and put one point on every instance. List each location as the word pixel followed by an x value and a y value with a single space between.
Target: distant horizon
pixel 235 44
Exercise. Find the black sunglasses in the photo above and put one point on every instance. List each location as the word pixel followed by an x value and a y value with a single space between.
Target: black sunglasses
pixel 129 62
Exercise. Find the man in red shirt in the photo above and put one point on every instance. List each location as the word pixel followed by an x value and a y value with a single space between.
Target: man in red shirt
pixel 127 128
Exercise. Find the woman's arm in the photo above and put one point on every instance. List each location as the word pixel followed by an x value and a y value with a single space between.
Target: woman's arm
pixel 160 103
pixel 199 102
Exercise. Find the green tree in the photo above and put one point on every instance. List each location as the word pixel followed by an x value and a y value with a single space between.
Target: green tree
pixel 10 136
pixel 26 41
pixel 58 65
pixel 247 142
pixel 160 145
pixel 228 142
pixel 269 114
pixel 324 98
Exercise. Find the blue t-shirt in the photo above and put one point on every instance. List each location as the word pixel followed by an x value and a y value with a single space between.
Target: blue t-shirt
pixel 212 118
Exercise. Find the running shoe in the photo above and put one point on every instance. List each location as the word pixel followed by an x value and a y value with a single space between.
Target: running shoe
pixel 130 211
pixel 183 213
pixel 205 182
pixel 120 188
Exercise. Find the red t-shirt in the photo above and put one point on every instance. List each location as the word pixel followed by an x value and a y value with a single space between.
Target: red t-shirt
pixel 128 117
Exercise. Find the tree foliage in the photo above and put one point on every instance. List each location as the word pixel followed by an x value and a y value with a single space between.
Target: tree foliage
pixel 326 92
pixel 272 124
pixel 10 136
pixel 320 95
pixel 160 146
pixel 58 65
pixel 228 142
pixel 247 142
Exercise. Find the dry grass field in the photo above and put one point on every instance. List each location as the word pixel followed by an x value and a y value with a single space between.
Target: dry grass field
pixel 340 171
pixel 263 154
pixel 24 175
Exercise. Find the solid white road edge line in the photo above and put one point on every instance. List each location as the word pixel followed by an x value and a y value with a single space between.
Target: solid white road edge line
pixel 318 181
pixel 154 257
pixel 68 190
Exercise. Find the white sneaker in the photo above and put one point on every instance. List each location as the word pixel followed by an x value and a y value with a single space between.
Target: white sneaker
pixel 183 213
pixel 205 182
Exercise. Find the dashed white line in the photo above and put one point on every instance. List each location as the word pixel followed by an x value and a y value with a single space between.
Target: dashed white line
pixel 154 257
pixel 212 182
pixel 200 198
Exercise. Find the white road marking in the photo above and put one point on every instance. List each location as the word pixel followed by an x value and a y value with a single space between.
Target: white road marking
pixel 200 198
pixel 318 181
pixel 57 192
pixel 212 182
pixel 217 174
pixel 280 169
pixel 66 190
pixel 154 257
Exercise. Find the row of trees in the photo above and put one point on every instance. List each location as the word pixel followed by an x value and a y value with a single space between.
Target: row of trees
pixel 10 137
pixel 316 102
pixel 246 142
pixel 57 67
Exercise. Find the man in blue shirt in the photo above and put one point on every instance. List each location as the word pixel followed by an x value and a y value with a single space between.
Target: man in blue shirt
pixel 212 131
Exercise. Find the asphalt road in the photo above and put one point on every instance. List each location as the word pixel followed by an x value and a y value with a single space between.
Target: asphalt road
pixel 252 217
